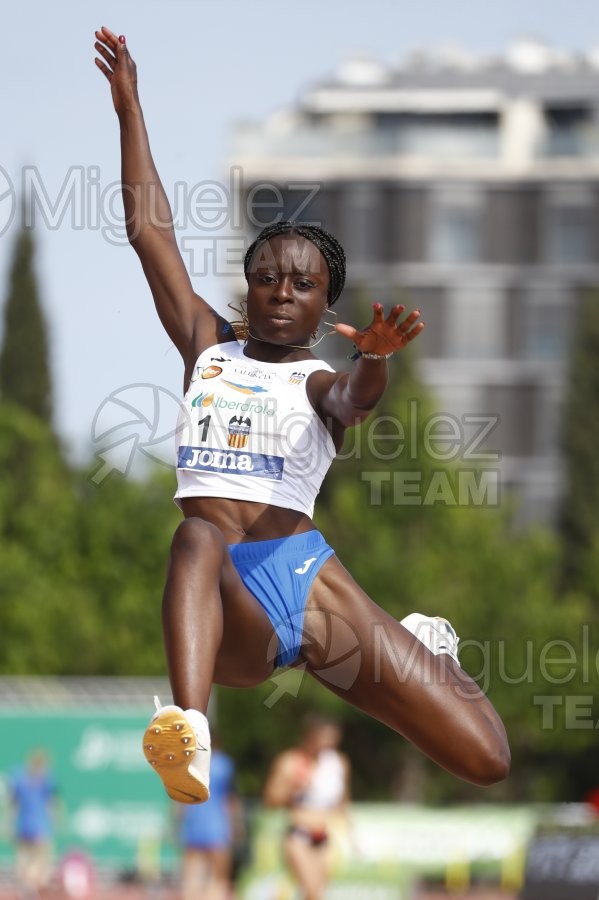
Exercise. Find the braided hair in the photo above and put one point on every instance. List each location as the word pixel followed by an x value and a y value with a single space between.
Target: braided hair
pixel 328 245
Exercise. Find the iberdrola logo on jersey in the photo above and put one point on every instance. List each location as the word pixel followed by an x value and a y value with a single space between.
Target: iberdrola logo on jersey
pixel 203 399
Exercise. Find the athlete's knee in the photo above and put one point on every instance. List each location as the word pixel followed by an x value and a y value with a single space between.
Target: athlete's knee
pixel 499 763
pixel 197 537
pixel 490 762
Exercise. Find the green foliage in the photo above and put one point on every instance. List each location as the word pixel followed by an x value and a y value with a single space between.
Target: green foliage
pixel 521 642
pixel 82 570
pixel 24 363
pixel 37 527
pixel 579 518
pixel 82 565
pixel 124 532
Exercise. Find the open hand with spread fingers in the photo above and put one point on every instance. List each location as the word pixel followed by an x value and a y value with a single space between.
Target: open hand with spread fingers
pixel 384 336
pixel 118 67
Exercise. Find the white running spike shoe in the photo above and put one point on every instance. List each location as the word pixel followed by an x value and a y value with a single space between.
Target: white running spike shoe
pixel 437 634
pixel 177 745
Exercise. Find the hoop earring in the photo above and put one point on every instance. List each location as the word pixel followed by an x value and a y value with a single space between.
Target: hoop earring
pixel 330 325
pixel 241 326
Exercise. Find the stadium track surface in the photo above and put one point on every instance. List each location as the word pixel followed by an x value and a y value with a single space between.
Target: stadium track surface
pixel 125 892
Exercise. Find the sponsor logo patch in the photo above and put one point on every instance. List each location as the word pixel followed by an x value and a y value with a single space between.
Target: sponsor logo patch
pixel 267 408
pixel 245 388
pixel 251 372
pixel 203 399
pixel 211 371
pixel 303 569
pixel 206 372
pixel 211 459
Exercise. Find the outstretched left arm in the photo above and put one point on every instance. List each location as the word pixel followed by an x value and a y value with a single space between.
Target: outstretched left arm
pixel 350 397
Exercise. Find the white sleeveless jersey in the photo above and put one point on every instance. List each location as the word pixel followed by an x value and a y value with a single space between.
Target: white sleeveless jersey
pixel 326 788
pixel 247 431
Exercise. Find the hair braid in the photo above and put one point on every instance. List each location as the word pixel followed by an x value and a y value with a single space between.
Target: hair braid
pixel 328 245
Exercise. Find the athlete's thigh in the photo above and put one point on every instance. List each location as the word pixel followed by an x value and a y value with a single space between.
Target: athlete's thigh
pixel 246 654
pixel 364 655
pixel 305 862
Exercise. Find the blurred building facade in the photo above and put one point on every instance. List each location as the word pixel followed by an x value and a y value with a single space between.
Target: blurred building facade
pixel 471 187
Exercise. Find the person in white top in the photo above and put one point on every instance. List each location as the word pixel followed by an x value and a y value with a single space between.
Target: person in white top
pixel 313 782
pixel 251 584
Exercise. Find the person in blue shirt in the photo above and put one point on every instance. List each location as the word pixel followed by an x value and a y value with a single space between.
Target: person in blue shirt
pixel 32 790
pixel 206 835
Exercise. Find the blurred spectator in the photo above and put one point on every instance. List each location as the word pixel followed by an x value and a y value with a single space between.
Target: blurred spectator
pixel 207 832
pixel 32 790
pixel 312 781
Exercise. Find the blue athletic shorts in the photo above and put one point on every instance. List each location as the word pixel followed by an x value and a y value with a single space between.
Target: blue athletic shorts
pixel 279 574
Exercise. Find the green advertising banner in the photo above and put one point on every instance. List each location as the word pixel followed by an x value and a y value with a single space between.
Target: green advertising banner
pixel 110 803
pixel 112 807
pixel 380 849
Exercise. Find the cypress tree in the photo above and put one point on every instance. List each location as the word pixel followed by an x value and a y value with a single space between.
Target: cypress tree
pixel 25 379
pixel 579 511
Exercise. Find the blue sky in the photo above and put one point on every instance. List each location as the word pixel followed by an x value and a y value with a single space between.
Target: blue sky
pixel 201 67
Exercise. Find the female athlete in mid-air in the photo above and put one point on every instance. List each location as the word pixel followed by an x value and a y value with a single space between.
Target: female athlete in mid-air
pixel 251 583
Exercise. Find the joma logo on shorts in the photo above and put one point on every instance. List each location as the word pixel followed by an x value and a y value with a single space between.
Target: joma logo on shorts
pixel 210 459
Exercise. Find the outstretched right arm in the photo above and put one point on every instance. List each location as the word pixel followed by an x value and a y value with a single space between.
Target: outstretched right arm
pixel 189 321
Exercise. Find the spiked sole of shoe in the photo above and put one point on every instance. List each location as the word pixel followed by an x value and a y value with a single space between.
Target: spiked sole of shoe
pixel 169 745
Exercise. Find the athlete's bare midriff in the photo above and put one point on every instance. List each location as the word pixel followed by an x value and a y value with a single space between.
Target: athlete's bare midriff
pixel 241 520
pixel 313 819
